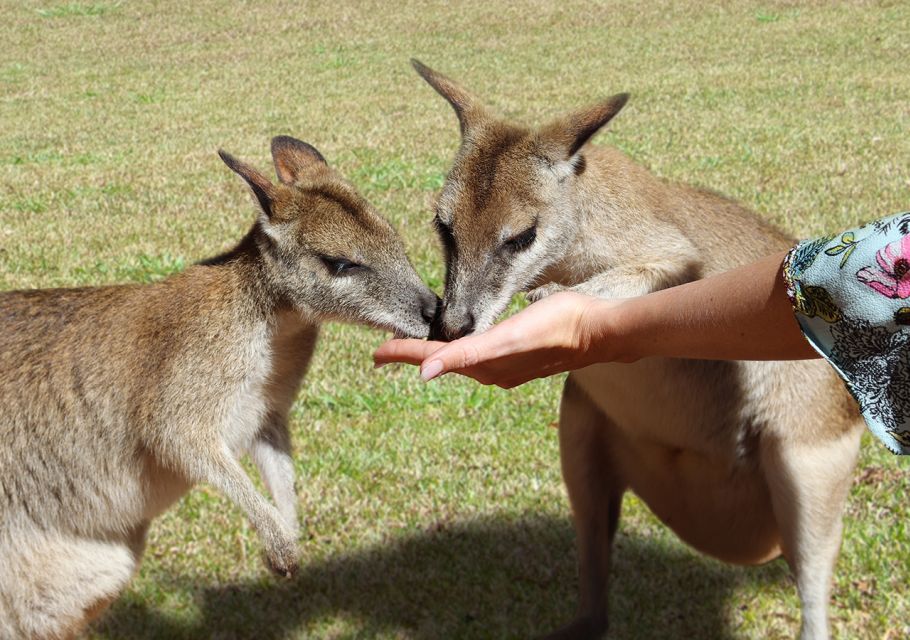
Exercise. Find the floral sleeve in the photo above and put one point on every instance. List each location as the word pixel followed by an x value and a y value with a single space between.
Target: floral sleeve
pixel 851 294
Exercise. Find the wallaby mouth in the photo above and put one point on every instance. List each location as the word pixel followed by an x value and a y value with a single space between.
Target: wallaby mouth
pixel 436 324
pixel 429 308
pixel 437 331
pixel 399 333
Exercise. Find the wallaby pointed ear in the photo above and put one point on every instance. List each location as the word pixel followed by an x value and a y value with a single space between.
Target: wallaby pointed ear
pixel 467 108
pixel 292 157
pixel 571 132
pixel 262 188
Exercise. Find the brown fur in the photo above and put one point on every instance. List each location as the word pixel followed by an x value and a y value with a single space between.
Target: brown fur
pixel 743 460
pixel 115 400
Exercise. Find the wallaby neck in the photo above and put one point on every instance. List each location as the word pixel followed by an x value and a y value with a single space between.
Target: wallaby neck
pixel 243 269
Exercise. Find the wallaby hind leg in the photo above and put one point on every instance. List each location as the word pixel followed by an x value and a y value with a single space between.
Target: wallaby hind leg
pixel 809 486
pixel 596 497
pixel 272 454
pixel 52 585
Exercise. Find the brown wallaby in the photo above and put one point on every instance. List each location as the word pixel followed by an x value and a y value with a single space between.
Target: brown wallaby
pixel 115 400
pixel 744 460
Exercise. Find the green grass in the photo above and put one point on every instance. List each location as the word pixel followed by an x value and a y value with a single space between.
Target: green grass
pixel 437 511
pixel 75 9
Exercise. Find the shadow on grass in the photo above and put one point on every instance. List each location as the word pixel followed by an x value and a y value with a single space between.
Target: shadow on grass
pixel 489 578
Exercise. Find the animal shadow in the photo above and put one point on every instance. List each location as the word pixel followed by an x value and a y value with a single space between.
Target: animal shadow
pixel 495 577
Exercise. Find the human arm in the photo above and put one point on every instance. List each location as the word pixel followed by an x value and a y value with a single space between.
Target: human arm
pixel 742 314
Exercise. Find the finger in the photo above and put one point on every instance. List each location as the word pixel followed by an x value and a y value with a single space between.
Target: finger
pixel 410 351
pixel 464 353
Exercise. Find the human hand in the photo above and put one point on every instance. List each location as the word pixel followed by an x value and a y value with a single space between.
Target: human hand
pixel 556 334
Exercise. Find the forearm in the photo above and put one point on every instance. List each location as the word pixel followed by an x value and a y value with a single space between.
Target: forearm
pixel 743 314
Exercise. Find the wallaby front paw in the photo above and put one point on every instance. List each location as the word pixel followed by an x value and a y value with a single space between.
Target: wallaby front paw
pixel 282 559
pixel 542 292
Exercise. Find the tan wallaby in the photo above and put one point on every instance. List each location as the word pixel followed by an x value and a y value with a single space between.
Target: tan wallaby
pixel 742 460
pixel 115 400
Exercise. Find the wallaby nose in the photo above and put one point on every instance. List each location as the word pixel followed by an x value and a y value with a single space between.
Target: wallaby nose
pixel 466 327
pixel 430 305
pixel 441 328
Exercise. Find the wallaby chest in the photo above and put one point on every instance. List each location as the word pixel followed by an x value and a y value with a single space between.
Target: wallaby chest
pixel 271 368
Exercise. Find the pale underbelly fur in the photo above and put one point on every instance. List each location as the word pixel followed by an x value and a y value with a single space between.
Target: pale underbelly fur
pixel 678 436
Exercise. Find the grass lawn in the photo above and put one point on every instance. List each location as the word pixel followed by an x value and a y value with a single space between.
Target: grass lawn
pixel 437 511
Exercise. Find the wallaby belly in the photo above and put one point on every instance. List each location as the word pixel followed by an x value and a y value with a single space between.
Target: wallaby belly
pixel 680 437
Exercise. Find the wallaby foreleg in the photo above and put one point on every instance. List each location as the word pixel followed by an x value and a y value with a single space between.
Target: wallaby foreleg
pixel 224 473
pixel 271 452
pixel 624 282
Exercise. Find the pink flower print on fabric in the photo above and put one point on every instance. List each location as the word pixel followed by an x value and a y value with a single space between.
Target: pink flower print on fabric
pixel 892 277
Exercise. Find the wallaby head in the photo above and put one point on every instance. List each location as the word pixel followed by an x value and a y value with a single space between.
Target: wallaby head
pixel 505 212
pixel 326 251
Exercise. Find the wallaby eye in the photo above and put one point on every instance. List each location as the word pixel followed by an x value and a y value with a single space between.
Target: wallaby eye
pixel 445 233
pixel 521 241
pixel 341 266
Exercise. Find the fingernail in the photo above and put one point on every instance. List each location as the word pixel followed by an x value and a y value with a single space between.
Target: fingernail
pixel 431 370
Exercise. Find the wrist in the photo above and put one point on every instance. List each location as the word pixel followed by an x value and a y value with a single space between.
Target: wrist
pixel 605 333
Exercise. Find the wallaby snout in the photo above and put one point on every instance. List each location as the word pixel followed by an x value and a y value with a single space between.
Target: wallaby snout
pixel 430 304
pixel 452 323
pixel 422 312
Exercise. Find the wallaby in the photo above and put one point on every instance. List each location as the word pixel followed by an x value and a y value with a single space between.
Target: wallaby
pixel 115 400
pixel 744 461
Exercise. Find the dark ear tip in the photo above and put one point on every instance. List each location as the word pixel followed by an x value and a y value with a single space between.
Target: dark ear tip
pixel 227 158
pixel 280 143
pixel 620 99
pixel 422 69
pixel 283 141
